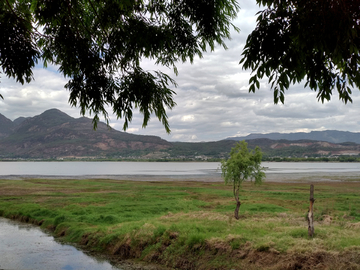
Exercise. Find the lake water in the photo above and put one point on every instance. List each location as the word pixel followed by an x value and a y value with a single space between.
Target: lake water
pixel 106 169
pixel 24 246
pixel 79 168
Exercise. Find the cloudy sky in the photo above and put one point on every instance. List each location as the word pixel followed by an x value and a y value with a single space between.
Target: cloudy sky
pixel 213 101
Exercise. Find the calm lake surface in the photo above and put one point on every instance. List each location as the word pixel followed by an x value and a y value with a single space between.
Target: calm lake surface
pixel 103 169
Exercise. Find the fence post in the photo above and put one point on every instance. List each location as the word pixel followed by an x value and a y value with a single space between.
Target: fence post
pixel 310 216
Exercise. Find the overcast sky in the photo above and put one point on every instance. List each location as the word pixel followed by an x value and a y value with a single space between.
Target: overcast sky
pixel 213 101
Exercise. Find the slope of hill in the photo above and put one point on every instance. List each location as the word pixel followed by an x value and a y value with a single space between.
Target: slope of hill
pixel 54 134
pixel 201 150
pixel 332 136
pixel 270 148
pixel 6 126
pixel 304 148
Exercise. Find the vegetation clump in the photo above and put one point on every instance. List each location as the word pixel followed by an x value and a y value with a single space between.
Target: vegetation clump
pixel 241 166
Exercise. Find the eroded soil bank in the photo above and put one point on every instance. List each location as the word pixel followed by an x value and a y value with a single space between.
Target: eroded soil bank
pixel 25 246
pixel 127 256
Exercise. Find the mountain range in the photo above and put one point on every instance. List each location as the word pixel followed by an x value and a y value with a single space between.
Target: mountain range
pixel 55 135
pixel 332 136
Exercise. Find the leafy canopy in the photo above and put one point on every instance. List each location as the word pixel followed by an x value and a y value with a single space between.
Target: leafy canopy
pixel 99 46
pixel 315 41
pixel 243 164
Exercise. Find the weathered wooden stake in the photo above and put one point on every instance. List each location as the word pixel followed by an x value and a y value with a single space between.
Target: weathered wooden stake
pixel 310 216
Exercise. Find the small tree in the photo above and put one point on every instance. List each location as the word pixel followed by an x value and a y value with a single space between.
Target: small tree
pixel 242 165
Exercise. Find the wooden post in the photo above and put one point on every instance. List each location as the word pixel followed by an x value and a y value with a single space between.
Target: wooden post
pixel 310 216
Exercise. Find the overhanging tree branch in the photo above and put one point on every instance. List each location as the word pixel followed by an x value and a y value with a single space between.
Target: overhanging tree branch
pixel 91 58
pixel 316 42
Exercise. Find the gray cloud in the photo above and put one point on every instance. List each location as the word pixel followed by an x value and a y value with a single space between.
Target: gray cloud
pixel 212 98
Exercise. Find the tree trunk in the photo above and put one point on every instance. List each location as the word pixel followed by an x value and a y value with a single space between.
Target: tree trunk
pixel 238 203
pixel 310 216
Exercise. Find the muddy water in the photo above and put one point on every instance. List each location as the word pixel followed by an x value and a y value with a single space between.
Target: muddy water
pixel 25 247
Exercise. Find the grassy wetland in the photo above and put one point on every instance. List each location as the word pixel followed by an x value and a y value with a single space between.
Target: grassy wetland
pixel 190 225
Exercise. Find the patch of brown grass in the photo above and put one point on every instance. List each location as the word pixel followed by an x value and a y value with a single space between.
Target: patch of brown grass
pixel 201 215
pixel 353 226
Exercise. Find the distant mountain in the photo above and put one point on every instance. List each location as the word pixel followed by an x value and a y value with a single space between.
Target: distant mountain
pixel 304 148
pixel 54 134
pixel 6 126
pixel 201 150
pixel 19 120
pixel 332 136
pixel 270 148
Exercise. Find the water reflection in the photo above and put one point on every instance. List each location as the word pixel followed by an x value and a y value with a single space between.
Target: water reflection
pixel 23 246
pixel 10 170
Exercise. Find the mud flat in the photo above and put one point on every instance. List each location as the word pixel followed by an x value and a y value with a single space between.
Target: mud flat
pixel 270 177
pixel 216 177
pixel 313 177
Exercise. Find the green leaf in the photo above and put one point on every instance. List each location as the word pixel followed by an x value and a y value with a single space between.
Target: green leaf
pixel 257 84
pixel 99 45
pixel 305 41
pixel 282 97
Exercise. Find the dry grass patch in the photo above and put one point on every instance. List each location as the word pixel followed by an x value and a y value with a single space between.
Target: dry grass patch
pixel 352 225
pixel 199 215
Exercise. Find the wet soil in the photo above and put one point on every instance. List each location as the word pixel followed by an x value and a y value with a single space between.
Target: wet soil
pixel 215 177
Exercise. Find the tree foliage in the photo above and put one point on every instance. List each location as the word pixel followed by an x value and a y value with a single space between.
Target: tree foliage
pixel 99 46
pixel 241 166
pixel 304 40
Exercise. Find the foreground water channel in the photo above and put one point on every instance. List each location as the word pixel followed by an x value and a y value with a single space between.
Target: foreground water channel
pixel 25 247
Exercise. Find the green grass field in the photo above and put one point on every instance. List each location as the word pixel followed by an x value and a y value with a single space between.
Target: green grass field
pixel 190 225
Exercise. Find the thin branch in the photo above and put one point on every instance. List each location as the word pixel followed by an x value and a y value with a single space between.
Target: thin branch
pixel 20 18
pixel 78 20
pixel 10 7
pixel 97 15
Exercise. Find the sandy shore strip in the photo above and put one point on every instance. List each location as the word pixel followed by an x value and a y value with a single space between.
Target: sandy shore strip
pixel 270 177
